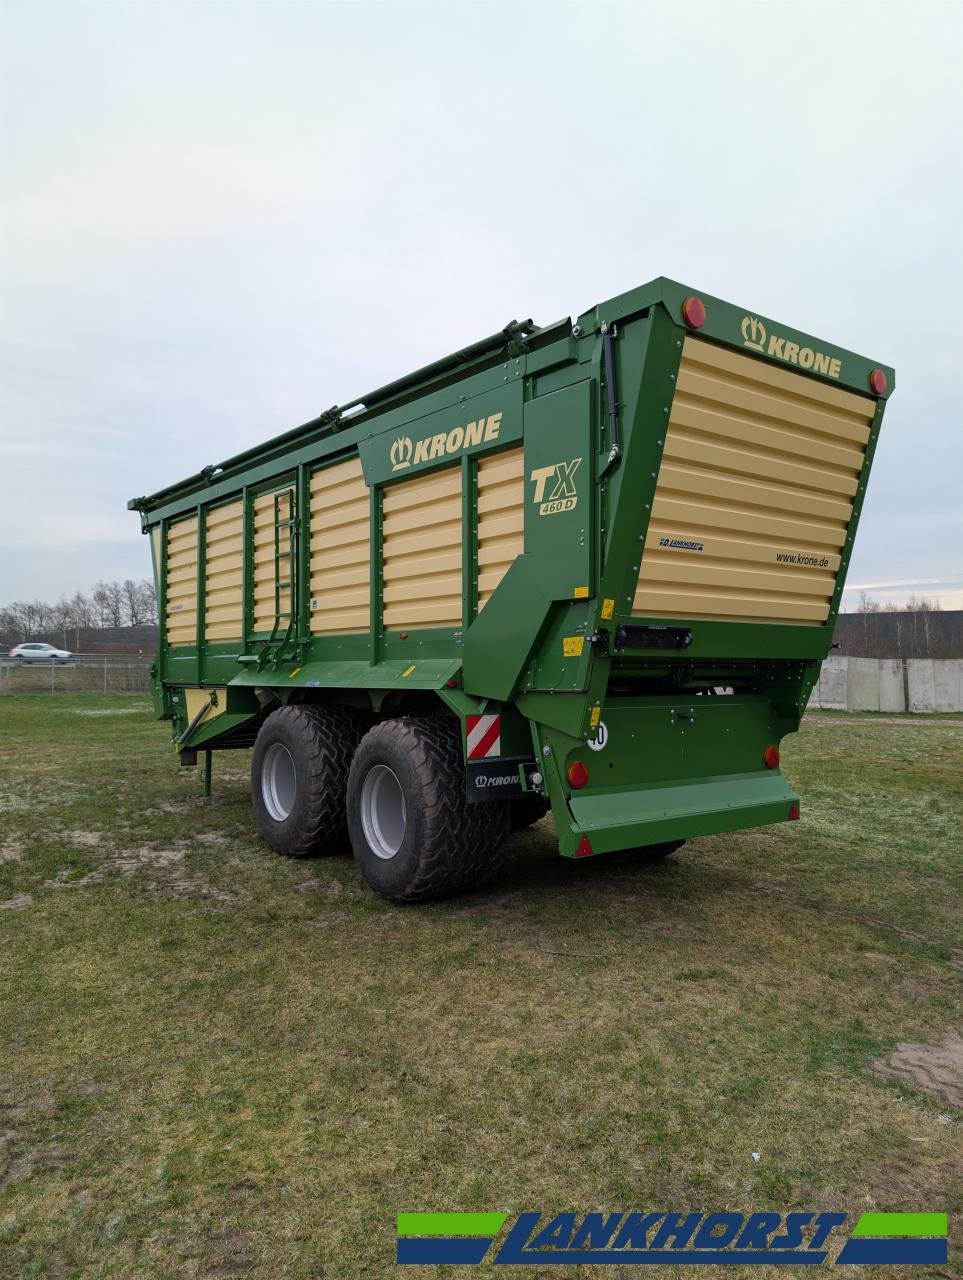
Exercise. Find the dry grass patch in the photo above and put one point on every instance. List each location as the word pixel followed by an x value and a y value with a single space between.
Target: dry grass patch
pixel 217 1062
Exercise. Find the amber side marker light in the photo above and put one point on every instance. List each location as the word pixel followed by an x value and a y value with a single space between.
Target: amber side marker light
pixel 577 775
pixel 877 380
pixel 770 757
pixel 694 312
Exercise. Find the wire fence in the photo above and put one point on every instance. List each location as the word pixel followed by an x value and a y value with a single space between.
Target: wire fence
pixel 80 673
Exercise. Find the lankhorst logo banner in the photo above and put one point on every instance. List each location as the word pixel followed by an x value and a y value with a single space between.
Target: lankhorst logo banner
pixel 719 1239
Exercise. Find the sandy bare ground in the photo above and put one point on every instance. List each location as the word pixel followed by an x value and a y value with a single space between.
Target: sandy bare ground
pixel 937 1069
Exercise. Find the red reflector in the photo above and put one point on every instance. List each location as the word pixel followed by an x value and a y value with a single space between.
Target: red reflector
pixel 584 849
pixel 770 757
pixel 877 380
pixel 794 812
pixel 694 312
pixel 578 776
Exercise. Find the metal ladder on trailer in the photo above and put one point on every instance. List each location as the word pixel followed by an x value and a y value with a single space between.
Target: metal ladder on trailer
pixel 280 645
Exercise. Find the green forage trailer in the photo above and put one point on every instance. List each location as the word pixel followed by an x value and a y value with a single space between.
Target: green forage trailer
pixel 592 567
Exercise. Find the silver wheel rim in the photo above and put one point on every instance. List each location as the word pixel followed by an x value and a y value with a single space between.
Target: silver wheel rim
pixel 279 782
pixel 383 812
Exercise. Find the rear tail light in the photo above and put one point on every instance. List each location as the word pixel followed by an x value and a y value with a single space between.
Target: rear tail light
pixel 794 812
pixel 694 312
pixel 770 757
pixel 583 848
pixel 877 380
pixel 577 775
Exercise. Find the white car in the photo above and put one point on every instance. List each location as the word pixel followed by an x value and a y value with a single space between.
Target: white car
pixel 37 652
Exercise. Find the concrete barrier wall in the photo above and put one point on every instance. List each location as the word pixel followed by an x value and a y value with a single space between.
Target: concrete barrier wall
pixel 889 684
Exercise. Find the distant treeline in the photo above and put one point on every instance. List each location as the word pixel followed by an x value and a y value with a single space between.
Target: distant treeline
pixel 65 623
pixel 920 629
pixel 122 616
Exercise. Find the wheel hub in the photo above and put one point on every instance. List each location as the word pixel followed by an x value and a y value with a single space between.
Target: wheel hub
pixel 279 782
pixel 383 816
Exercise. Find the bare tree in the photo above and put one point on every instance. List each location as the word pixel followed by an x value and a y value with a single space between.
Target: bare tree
pixel 148 602
pixel 108 599
pixel 24 617
pixel 62 618
pixel 11 631
pixel 132 601
pixel 82 610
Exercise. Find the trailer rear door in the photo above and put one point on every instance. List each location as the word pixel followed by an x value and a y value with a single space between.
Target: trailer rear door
pixel 755 492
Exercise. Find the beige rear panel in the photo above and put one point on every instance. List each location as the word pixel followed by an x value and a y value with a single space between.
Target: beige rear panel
pixel 501 517
pixel 196 700
pixel 421 548
pixel 224 572
pixel 754 494
pixel 340 550
pixel 264 570
pixel 181 620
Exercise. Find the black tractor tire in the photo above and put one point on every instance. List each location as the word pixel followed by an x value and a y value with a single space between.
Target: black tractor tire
pixel 407 797
pixel 652 852
pixel 527 810
pixel 299 777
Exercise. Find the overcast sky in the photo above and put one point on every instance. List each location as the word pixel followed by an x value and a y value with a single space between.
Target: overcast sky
pixel 221 217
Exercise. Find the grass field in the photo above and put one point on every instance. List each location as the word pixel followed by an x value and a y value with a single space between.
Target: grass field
pixel 216 1062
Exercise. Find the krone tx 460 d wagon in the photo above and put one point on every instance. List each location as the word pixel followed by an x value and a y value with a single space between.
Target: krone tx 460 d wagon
pixel 592 567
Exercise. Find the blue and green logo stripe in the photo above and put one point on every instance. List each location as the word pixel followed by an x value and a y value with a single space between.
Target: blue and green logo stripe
pixel 446 1237
pixel 915 1238
pixel 626 1238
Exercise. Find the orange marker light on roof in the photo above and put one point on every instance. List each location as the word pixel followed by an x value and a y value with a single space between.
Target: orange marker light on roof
pixel 694 312
pixel 877 380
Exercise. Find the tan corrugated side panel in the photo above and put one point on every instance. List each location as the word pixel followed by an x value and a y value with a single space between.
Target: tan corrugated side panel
pixel 759 463
pixel 224 572
pixel 501 517
pixel 421 550
pixel 181 620
pixel 264 570
pixel 340 550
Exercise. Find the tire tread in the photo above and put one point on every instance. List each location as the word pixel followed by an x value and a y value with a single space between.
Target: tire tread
pixel 328 737
pixel 463 844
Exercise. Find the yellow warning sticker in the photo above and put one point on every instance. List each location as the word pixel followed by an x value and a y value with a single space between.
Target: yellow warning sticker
pixel 294 673
pixel 608 608
pixel 408 670
pixel 596 716
pixel 580 593
pixel 572 646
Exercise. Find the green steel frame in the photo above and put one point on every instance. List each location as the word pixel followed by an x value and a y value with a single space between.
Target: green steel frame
pixel 550 388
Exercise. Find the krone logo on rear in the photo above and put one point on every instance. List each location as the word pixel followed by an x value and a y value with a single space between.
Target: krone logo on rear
pixel 401 452
pixel 753 333
pixel 754 336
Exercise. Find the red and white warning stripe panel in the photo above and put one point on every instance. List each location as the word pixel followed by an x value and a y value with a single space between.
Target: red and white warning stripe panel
pixel 484 736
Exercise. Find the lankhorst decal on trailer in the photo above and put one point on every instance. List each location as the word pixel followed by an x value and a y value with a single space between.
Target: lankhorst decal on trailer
pixel 484 736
